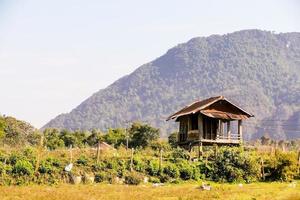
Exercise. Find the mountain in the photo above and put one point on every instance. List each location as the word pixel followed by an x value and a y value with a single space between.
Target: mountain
pixel 258 70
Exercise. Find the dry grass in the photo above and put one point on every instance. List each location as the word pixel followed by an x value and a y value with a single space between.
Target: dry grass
pixel 274 191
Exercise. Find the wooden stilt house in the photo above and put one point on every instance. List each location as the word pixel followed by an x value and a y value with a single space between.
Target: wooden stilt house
pixel 209 122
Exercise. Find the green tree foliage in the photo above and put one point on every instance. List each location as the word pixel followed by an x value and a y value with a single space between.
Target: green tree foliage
pixel 234 165
pixel 173 139
pixel 52 139
pixel 2 128
pixel 115 137
pixel 94 137
pixel 16 131
pixel 142 134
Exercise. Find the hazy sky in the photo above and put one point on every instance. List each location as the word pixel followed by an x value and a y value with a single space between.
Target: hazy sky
pixel 54 54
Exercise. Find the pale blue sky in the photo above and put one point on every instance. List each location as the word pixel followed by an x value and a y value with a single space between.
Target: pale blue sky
pixel 54 54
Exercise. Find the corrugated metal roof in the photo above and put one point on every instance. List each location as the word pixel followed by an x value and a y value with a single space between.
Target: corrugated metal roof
pixel 220 112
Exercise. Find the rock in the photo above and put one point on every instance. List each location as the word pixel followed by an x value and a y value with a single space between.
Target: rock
pixel 146 179
pixel 76 179
pixel 205 186
pixel 87 179
pixel 157 184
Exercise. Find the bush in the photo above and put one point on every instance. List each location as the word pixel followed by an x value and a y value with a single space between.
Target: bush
pixel 109 176
pixel 234 165
pixel 185 169
pixel 138 164
pixel 49 166
pixel 23 167
pixel 171 170
pixel 158 145
pixel 133 178
pixel 153 168
pixel 100 177
pixel 2 168
pixel 164 178
pixel 98 167
pixel 82 160
pixel 179 154
pixel 154 180
pixel 173 139
pixel 283 167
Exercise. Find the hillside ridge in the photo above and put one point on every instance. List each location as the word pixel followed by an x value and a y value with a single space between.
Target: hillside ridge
pixel 258 70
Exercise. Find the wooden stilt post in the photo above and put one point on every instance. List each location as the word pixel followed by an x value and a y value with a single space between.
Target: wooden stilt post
pixel 240 131
pixel 228 130
pixel 200 151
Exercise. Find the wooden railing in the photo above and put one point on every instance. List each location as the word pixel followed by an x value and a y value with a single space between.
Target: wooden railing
pixel 231 137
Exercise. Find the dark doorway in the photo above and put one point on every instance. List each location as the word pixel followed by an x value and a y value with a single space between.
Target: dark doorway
pixel 210 128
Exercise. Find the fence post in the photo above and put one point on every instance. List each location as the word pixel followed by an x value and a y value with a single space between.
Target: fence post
pixel 40 149
pixel 262 168
pixel 200 151
pixel 160 160
pixel 71 154
pixel 131 160
pixel 98 151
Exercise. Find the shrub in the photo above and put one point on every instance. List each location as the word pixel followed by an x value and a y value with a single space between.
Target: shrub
pixel 138 164
pixel 234 165
pixel 82 160
pixel 158 145
pixel 100 177
pixel 112 164
pixel 164 178
pixel 49 166
pixel 153 168
pixel 14 157
pixel 283 166
pixel 2 168
pixel 109 176
pixel 154 180
pixel 45 167
pixel 179 154
pixel 133 178
pixel 23 167
pixel 98 167
pixel 173 139
pixel 171 170
pixel 185 169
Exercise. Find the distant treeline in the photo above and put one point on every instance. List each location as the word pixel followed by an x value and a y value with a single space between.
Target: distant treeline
pixel 16 133
pixel 47 153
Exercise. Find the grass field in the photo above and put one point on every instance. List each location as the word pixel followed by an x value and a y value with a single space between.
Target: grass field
pixel 253 191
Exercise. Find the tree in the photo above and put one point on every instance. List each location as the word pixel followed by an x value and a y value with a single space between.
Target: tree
pixel 2 128
pixel 115 137
pixel 94 137
pixel 172 139
pixel 34 138
pixel 142 134
pixel 68 138
pixel 81 137
pixel 52 139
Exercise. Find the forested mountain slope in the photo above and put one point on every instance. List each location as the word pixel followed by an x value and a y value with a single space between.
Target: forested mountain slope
pixel 258 70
